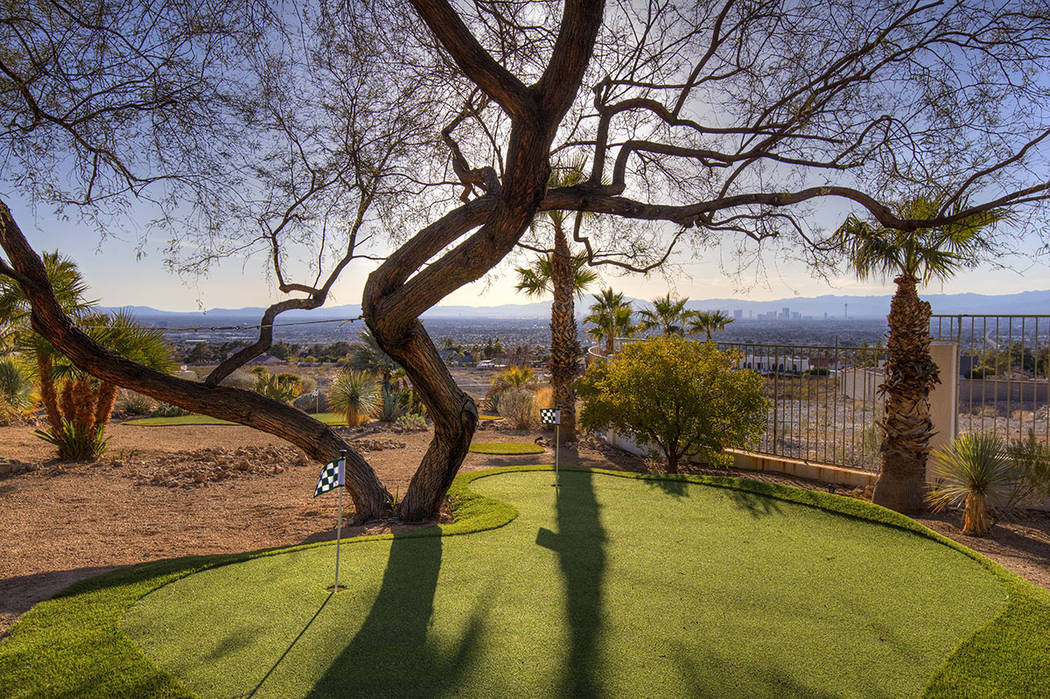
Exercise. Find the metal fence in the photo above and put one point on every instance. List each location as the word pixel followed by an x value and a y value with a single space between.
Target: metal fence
pixel 1003 381
pixel 824 401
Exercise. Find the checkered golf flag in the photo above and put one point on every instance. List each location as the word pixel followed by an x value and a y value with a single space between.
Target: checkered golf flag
pixel 331 477
pixel 550 416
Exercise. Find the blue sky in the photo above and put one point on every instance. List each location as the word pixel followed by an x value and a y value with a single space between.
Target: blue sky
pixel 117 277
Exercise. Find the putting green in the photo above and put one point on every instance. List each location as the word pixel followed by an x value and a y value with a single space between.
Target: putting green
pixel 604 586
pixel 506 448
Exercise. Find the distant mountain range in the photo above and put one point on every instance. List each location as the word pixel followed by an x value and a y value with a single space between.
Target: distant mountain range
pixel 836 307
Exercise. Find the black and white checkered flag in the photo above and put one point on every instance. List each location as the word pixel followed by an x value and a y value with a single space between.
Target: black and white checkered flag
pixel 550 416
pixel 331 477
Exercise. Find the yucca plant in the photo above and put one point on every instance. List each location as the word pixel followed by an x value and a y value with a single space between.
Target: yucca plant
pixel 969 471
pixel 356 395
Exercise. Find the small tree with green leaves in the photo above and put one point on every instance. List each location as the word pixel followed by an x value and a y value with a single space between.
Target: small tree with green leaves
pixel 687 399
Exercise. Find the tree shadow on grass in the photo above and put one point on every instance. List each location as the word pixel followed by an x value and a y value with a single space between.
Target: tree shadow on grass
pixel 579 544
pixel 762 677
pixel 391 654
pixel 670 483
pixel 754 505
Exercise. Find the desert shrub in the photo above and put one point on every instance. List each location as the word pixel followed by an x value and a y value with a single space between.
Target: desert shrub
pixel 412 422
pixel 514 377
pixel 282 387
pixel 313 402
pixel 16 390
pixel 356 395
pixel 543 397
pixel 1031 458
pixel 684 398
pixel 392 405
pixel 240 379
pixel 309 385
pixel 518 408
pixel 132 403
pixel 168 410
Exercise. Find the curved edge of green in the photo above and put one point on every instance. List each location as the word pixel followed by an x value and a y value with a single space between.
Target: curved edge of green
pixel 73 644
pixel 198 419
pixel 506 448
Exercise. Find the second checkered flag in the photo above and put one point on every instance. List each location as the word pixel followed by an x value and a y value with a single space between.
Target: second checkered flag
pixel 550 416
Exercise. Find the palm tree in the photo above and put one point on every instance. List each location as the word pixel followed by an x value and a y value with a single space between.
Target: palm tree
pixel 708 322
pixel 915 257
pixel 668 315
pixel 367 355
pixel 564 277
pixel 77 405
pixel 539 278
pixel 610 317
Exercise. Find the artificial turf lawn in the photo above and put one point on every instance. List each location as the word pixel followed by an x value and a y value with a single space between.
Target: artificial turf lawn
pixel 195 419
pixel 418 619
pixel 506 448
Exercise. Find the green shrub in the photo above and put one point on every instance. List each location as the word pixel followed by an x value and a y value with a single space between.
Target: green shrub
pixel 684 398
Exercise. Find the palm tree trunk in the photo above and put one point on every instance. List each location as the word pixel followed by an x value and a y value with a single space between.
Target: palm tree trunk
pixel 610 342
pixel 107 398
pixel 565 348
pixel 84 403
pixel 48 394
pixel 910 375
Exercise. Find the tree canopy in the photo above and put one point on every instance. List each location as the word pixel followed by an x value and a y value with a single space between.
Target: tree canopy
pixel 297 133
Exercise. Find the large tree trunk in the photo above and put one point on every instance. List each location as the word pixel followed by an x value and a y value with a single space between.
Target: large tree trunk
pixel 565 347
pixel 910 375
pixel 317 440
pixel 454 414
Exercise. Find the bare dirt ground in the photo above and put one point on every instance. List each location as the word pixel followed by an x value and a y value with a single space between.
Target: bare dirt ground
pixel 162 492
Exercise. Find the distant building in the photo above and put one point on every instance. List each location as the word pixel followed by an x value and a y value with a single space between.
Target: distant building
pixel 785 313
pixel 738 314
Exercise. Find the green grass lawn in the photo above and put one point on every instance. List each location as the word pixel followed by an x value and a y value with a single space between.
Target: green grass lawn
pixel 194 419
pixel 506 448
pixel 608 585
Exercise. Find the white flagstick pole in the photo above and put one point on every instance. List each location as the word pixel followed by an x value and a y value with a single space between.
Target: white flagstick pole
pixel 557 444
pixel 339 525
